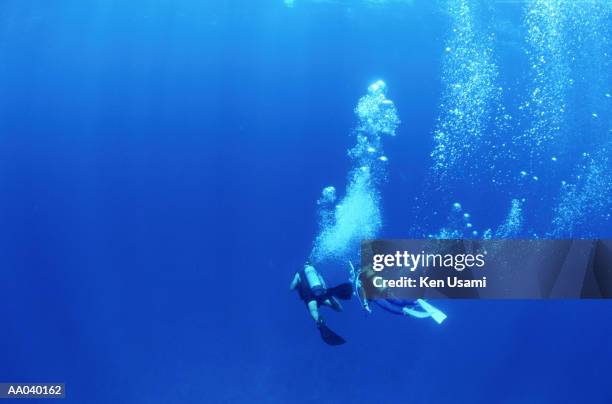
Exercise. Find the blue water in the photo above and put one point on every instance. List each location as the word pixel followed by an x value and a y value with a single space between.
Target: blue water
pixel 159 167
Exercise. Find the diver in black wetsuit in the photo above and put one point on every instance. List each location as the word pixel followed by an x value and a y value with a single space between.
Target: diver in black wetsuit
pixel 314 293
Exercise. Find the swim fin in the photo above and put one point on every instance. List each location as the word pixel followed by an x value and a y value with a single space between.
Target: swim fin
pixel 343 291
pixel 436 314
pixel 415 313
pixel 330 337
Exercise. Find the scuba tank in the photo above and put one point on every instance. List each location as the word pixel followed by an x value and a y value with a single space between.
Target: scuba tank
pixel 312 277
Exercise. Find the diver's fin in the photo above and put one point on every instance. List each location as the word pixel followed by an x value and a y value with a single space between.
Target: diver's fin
pixel 415 313
pixel 343 291
pixel 436 314
pixel 330 337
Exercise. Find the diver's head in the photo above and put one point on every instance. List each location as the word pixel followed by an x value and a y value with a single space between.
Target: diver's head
pixel 308 263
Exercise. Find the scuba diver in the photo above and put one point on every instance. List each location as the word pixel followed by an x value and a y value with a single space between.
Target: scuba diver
pixel 312 290
pixel 418 308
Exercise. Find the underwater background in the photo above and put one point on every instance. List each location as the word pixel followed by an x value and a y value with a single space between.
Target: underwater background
pixel 161 163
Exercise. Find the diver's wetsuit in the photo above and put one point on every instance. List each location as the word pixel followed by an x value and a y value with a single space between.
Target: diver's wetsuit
pixel 395 307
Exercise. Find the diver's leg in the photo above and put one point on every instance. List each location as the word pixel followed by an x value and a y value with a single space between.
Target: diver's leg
pixel 386 305
pixel 403 302
pixel 333 303
pixel 313 308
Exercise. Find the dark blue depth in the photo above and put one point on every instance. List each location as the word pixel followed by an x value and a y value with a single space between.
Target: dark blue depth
pixel 159 167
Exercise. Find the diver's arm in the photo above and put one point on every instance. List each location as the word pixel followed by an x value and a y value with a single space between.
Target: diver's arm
pixel 295 281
